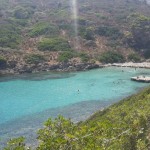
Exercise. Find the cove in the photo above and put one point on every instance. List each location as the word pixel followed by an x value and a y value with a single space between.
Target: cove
pixel 26 101
pixel 28 94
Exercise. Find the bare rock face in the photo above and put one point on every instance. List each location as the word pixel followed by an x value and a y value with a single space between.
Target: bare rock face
pixel 3 66
pixel 12 63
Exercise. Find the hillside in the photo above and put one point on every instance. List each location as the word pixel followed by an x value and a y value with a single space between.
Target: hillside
pixel 122 126
pixel 39 35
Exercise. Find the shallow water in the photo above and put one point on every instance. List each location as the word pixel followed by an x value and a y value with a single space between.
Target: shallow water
pixel 39 96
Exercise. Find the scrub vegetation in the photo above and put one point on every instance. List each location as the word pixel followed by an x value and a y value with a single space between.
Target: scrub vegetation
pixel 104 26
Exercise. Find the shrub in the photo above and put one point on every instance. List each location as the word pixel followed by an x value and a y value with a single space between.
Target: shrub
pixel 34 58
pixel 86 33
pixel 84 57
pixel 65 56
pixel 16 144
pixel 134 57
pixel 43 29
pixel 82 21
pixel 9 36
pixel 21 13
pixel 108 31
pixel 18 22
pixel 139 37
pixel 54 44
pixel 112 57
pixel 3 62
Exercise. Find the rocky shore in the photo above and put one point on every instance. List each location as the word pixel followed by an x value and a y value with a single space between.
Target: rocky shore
pixel 131 64
pixel 16 63
pixel 66 67
pixel 61 67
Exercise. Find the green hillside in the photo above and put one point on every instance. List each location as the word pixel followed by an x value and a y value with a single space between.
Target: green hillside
pixel 122 126
pixel 105 27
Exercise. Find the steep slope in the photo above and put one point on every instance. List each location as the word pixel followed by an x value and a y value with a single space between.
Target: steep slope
pixel 125 125
pixel 119 26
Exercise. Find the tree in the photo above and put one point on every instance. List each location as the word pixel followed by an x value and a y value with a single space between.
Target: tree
pixel 140 33
pixel 21 13
pixel 16 144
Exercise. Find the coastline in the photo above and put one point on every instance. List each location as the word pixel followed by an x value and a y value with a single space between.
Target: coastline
pixel 145 65
pixel 67 67
pixel 77 111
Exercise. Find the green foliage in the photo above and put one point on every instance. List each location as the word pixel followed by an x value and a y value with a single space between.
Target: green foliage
pixel 82 21
pixel 140 32
pixel 65 56
pixel 66 26
pixel 101 16
pixel 125 125
pixel 43 29
pixel 87 33
pixel 18 22
pixel 3 62
pixel 84 57
pixel 9 36
pixel 21 13
pixel 112 57
pixel 16 144
pixel 60 131
pixel 54 44
pixel 34 58
pixel 109 31
pixel 62 134
pixel 134 57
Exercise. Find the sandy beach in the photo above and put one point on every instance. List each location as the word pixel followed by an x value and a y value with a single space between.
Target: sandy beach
pixel 131 64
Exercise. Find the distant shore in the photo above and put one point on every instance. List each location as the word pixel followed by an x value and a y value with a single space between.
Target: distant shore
pixel 68 67
pixel 131 64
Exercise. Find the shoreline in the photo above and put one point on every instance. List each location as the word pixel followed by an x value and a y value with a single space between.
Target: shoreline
pixel 68 67
pixel 23 126
pixel 145 65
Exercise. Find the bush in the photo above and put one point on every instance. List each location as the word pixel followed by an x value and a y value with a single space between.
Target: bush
pixel 108 31
pixel 44 29
pixel 86 33
pixel 139 37
pixel 134 57
pixel 18 22
pixel 54 44
pixel 16 144
pixel 9 36
pixel 21 13
pixel 3 62
pixel 84 57
pixel 112 57
pixel 34 58
pixel 82 22
pixel 65 56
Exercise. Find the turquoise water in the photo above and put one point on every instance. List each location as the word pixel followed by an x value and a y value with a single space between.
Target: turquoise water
pixel 28 94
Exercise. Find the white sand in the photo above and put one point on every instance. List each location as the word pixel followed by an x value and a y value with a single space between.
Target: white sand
pixel 131 64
